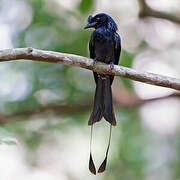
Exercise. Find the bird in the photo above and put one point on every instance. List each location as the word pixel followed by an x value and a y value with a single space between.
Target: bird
pixel 104 46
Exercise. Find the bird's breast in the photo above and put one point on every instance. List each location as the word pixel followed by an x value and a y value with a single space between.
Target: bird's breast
pixel 104 47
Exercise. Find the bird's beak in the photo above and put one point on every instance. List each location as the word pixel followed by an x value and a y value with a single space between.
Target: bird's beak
pixel 90 25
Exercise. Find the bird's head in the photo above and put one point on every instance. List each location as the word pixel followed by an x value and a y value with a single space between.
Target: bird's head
pixel 101 20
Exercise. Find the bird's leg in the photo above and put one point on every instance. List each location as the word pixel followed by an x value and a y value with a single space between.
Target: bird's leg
pixel 111 66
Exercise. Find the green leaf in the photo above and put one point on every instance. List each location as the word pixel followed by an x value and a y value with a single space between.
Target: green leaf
pixel 85 6
pixel 9 141
pixel 126 60
pixel 6 137
pixel 4 133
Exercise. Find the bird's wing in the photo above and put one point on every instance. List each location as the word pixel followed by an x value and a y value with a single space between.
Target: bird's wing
pixel 117 48
pixel 92 53
pixel 91 46
pixel 117 51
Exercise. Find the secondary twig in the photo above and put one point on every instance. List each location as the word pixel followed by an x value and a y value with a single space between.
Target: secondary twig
pixel 79 61
pixel 63 109
pixel 130 102
pixel 146 11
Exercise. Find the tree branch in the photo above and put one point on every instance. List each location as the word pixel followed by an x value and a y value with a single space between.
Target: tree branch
pixel 63 109
pixel 79 61
pixel 130 101
pixel 146 11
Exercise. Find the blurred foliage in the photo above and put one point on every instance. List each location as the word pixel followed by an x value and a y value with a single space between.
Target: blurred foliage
pixel 62 30
pixel 130 143
pixel 85 6
pixel 126 60
pixel 6 137
pixel 59 29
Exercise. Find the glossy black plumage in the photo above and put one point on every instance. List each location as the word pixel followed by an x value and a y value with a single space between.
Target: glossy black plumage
pixel 104 46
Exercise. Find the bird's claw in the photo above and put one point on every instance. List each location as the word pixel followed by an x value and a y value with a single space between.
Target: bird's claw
pixel 94 62
pixel 111 66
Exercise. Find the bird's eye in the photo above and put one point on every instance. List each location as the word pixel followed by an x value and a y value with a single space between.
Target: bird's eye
pixel 90 18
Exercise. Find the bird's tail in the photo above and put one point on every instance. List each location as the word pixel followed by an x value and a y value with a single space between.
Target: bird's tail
pixel 103 106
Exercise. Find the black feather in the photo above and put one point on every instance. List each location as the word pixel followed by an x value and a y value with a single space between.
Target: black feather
pixel 104 46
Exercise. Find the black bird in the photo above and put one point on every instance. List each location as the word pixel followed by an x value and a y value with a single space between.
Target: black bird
pixel 104 46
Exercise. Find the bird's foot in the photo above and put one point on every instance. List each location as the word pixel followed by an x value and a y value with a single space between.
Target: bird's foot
pixel 94 62
pixel 111 66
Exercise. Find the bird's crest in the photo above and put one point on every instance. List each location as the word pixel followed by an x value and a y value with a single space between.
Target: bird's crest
pixel 111 24
pixel 103 19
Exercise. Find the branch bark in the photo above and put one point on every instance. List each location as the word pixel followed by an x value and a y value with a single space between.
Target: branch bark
pixel 83 62
pixel 146 11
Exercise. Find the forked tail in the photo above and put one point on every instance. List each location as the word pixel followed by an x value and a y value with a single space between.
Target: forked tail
pixel 103 106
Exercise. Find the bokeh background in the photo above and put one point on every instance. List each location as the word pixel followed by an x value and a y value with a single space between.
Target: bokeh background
pixel 44 108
